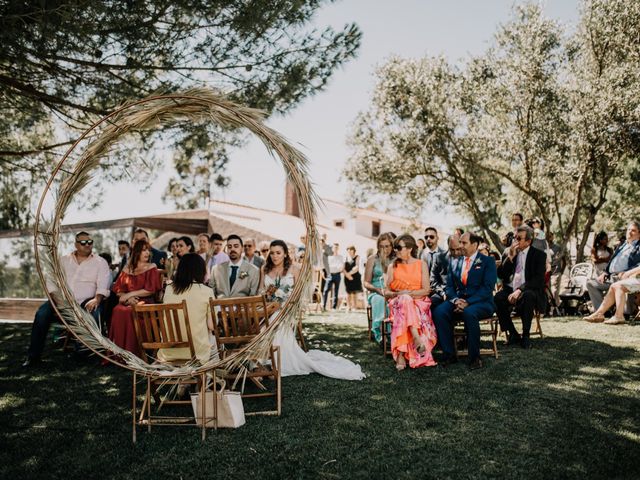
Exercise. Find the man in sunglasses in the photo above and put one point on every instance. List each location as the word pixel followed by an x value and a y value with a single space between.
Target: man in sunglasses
pixel 439 269
pixel 432 249
pixel 250 254
pixel 89 279
pixel 522 271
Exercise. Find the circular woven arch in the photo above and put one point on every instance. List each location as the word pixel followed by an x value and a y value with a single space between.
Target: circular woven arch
pixel 202 105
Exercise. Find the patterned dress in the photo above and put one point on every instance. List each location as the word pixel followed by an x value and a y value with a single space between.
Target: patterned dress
pixel 407 312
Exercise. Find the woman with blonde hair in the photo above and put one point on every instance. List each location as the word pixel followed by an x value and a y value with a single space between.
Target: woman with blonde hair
pixel 413 334
pixel 374 273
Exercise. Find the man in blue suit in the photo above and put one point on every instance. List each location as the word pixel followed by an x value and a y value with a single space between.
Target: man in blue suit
pixel 469 294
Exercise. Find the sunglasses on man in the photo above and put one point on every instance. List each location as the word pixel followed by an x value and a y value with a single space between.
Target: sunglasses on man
pixel 430 236
pixel 85 242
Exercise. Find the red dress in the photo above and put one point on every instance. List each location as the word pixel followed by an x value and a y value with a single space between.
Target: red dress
pixel 122 331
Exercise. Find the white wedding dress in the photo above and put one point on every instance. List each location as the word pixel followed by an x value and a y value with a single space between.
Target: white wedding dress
pixel 295 361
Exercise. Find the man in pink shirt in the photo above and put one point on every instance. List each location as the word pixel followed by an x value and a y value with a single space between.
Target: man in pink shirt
pixel 89 279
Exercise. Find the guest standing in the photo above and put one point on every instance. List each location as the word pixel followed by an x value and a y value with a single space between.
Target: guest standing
pixel 352 278
pixel 413 334
pixel 336 266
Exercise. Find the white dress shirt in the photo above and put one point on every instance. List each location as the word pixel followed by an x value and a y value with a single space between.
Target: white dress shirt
pixel 85 279
pixel 336 263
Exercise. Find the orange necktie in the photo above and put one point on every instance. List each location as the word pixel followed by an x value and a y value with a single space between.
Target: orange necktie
pixel 465 270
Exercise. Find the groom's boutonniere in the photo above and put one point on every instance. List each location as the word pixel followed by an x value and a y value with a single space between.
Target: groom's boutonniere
pixel 243 274
pixel 477 262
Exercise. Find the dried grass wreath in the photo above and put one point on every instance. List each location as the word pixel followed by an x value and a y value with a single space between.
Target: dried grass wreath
pixel 67 181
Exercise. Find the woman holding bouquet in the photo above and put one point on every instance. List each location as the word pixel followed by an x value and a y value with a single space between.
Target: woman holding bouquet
pixel 279 275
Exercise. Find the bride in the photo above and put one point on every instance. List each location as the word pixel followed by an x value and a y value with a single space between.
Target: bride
pixel 279 274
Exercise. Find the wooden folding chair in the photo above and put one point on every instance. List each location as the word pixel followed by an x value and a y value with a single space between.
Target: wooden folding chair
pixel 159 326
pixel 369 321
pixel 488 328
pixel 385 327
pixel 237 321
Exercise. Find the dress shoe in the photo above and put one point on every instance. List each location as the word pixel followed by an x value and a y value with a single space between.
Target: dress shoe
pixel 525 343
pixel 31 362
pixel 514 339
pixel 447 361
pixel 475 364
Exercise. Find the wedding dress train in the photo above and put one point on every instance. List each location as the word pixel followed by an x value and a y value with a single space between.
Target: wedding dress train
pixel 295 361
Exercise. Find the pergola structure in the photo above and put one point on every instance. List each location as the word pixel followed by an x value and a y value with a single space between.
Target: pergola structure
pixel 189 222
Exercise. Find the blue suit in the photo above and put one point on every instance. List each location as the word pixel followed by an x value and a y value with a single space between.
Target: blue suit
pixel 478 292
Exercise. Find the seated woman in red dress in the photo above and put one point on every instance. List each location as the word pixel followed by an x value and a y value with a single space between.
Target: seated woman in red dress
pixel 138 283
pixel 413 334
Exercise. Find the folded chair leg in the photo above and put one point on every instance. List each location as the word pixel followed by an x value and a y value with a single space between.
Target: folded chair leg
pixel 133 408
pixel 279 385
pixel 203 405
pixel 148 404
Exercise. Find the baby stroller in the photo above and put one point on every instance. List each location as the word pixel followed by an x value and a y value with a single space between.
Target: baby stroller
pixel 573 300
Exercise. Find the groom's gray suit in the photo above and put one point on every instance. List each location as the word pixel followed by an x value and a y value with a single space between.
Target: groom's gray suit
pixel 246 284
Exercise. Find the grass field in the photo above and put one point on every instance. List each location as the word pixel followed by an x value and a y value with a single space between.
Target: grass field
pixel 568 408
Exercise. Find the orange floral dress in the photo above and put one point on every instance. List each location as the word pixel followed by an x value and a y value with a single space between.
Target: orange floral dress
pixel 406 312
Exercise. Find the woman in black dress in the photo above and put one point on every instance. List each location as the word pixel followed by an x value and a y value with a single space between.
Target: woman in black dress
pixel 352 280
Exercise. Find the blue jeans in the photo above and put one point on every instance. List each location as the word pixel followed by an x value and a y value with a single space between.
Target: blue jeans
pixel 332 281
pixel 41 323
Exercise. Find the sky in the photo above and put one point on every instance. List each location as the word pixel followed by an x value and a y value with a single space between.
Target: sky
pixel 319 126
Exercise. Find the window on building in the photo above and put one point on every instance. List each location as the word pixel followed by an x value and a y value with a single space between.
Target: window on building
pixel 338 223
pixel 375 229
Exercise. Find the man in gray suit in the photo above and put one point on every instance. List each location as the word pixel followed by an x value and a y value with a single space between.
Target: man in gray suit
pixel 432 250
pixel 237 277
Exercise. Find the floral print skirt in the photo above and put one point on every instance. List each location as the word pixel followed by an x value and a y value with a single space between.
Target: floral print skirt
pixel 406 312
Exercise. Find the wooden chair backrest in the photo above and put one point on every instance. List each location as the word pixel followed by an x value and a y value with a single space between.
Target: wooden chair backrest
pixel 238 320
pixel 159 326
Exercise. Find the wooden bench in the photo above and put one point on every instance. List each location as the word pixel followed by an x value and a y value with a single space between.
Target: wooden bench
pixel 20 308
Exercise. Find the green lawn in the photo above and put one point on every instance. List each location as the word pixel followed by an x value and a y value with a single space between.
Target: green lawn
pixel 569 408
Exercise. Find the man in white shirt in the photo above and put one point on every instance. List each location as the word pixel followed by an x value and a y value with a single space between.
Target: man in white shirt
pixel 336 266
pixel 237 277
pixel 89 280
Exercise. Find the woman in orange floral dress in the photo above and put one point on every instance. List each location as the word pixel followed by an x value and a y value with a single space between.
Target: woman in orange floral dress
pixel 413 334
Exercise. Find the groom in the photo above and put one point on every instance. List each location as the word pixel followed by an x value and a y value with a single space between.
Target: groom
pixel 237 277
pixel 470 284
